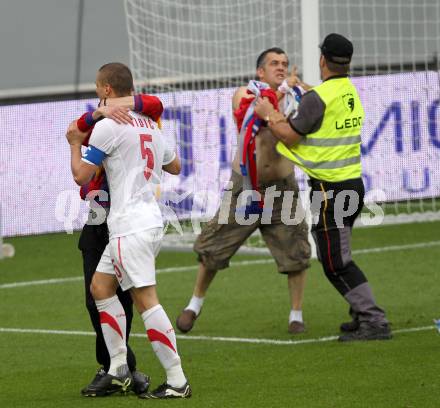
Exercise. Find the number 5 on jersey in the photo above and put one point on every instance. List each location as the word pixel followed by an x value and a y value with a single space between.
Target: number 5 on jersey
pixel 147 154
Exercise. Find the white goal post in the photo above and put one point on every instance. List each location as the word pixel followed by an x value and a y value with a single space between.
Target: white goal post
pixel 6 250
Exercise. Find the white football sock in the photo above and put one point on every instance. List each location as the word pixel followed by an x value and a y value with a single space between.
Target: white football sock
pixel 113 324
pixel 195 304
pixel 296 315
pixel 161 334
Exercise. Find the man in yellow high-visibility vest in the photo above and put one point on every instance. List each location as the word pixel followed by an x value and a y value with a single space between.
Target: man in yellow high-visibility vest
pixel 323 138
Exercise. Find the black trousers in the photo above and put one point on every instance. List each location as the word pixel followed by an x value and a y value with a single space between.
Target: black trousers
pixel 335 206
pixel 92 243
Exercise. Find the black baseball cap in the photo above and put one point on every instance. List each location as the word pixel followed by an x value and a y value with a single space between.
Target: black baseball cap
pixel 336 48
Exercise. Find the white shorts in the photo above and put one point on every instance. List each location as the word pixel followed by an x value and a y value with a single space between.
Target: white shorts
pixel 131 258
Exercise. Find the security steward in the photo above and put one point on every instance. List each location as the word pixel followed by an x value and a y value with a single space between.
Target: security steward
pixel 324 139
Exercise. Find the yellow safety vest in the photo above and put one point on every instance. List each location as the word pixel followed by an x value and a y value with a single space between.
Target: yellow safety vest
pixel 333 153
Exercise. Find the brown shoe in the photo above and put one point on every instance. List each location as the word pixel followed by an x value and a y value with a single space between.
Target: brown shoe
pixel 296 327
pixel 185 321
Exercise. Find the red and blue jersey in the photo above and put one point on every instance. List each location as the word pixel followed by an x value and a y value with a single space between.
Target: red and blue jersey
pixel 99 185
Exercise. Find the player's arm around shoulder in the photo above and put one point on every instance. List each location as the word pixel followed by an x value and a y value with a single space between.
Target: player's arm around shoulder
pixel 149 105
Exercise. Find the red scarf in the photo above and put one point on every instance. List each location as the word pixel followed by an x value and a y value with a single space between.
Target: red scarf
pixel 252 128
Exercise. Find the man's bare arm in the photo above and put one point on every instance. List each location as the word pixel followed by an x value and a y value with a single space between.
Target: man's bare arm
pixel 82 172
pixel 117 113
pixel 237 97
pixel 116 109
pixel 277 123
pixel 149 105
pixel 174 167
pixel 284 132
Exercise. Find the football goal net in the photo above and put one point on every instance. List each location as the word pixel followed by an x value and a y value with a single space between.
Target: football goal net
pixel 195 53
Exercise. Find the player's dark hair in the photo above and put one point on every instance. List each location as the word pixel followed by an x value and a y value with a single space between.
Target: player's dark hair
pixel 118 76
pixel 261 58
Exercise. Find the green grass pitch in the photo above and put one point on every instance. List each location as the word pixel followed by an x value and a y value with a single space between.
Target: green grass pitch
pixel 247 302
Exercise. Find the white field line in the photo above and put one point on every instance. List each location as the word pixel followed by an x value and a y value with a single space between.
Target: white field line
pixel 396 247
pixel 210 338
pixel 233 264
pixel 40 282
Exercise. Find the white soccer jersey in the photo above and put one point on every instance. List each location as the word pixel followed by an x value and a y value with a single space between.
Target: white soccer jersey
pixel 134 156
